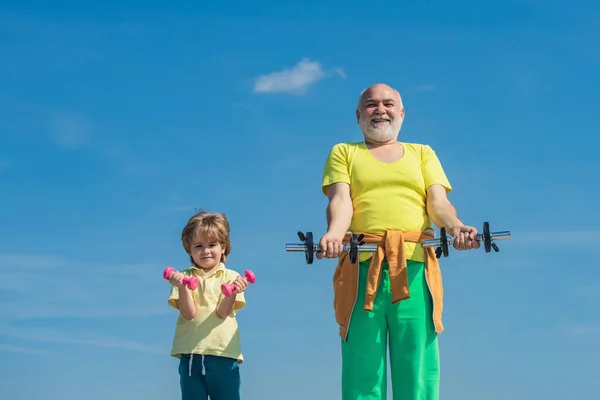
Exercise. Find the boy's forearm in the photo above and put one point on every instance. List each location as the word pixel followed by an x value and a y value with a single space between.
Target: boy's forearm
pixel 225 306
pixel 186 305
pixel 339 216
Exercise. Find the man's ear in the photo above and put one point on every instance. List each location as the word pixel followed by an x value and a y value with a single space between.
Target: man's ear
pixel 357 116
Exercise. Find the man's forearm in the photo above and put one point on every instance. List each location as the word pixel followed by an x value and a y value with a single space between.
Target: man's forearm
pixel 186 305
pixel 339 216
pixel 444 214
pixel 225 306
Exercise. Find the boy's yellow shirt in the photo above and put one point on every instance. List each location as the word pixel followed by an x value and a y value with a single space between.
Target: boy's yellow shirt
pixel 207 333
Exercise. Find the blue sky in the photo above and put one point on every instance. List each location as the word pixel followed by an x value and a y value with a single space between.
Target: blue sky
pixel 118 121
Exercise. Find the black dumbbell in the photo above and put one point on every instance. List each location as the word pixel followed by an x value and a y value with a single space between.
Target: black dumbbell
pixel 487 237
pixel 309 247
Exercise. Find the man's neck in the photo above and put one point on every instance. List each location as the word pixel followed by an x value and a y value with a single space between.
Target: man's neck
pixel 387 152
pixel 381 145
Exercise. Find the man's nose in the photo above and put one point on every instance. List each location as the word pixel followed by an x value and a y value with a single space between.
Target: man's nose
pixel 380 109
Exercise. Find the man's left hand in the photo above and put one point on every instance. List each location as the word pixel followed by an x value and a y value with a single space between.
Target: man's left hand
pixel 464 238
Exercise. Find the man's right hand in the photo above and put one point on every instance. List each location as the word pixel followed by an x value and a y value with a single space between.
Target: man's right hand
pixel 330 246
pixel 176 279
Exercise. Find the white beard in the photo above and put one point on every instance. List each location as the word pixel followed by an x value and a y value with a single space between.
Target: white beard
pixel 382 131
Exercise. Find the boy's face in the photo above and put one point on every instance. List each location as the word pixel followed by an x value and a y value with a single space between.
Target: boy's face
pixel 206 254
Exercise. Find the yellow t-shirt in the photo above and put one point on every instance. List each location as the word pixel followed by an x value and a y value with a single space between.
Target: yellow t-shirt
pixel 387 196
pixel 207 333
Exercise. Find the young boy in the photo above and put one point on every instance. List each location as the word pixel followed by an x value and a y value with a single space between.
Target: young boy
pixel 206 337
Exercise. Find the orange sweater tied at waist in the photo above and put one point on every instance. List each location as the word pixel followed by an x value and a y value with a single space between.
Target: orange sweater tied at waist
pixel 390 247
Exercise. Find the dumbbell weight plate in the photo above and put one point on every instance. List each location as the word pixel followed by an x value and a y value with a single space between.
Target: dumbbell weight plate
pixel 443 247
pixel 353 253
pixel 444 241
pixel 310 248
pixel 487 238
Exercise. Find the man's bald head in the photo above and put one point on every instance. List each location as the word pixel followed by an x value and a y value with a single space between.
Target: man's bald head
pixel 380 113
pixel 379 88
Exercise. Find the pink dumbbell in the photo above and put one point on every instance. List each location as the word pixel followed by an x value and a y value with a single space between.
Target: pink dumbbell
pixel 228 288
pixel 191 283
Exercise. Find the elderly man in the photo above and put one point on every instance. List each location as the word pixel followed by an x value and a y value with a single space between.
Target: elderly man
pixel 391 191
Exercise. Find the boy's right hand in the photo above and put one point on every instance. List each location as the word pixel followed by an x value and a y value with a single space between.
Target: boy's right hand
pixel 176 279
pixel 331 245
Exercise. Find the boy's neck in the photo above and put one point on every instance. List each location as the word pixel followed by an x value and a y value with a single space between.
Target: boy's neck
pixel 208 270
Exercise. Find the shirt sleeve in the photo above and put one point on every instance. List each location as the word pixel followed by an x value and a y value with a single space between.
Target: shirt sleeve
pixel 240 302
pixel 174 297
pixel 336 167
pixel 433 171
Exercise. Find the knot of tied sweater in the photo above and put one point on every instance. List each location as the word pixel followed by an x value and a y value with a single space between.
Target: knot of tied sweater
pixel 390 247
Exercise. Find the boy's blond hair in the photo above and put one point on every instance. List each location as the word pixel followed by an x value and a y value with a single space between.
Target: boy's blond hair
pixel 213 226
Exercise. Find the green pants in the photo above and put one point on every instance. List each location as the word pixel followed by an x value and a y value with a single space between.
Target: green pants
pixel 408 324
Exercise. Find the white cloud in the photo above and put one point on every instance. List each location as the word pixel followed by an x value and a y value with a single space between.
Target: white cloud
pixel 290 162
pixel 340 72
pixel 16 261
pixel 555 237
pixel 5 164
pixel 295 80
pixel 582 329
pixel 588 291
pixel 181 208
pixel 63 285
pixel 70 132
pixel 84 311
pixel 128 161
pixel 24 350
pixel 85 290
pixel 82 338
pixel 426 87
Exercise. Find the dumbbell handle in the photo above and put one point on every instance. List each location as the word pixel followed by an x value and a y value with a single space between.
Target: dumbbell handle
pixel 190 282
pixel 365 248
pixel 371 248
pixel 480 238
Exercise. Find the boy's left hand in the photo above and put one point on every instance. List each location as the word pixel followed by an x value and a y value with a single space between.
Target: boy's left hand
pixel 240 285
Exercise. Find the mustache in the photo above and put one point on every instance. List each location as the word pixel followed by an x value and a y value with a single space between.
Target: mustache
pixel 378 119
